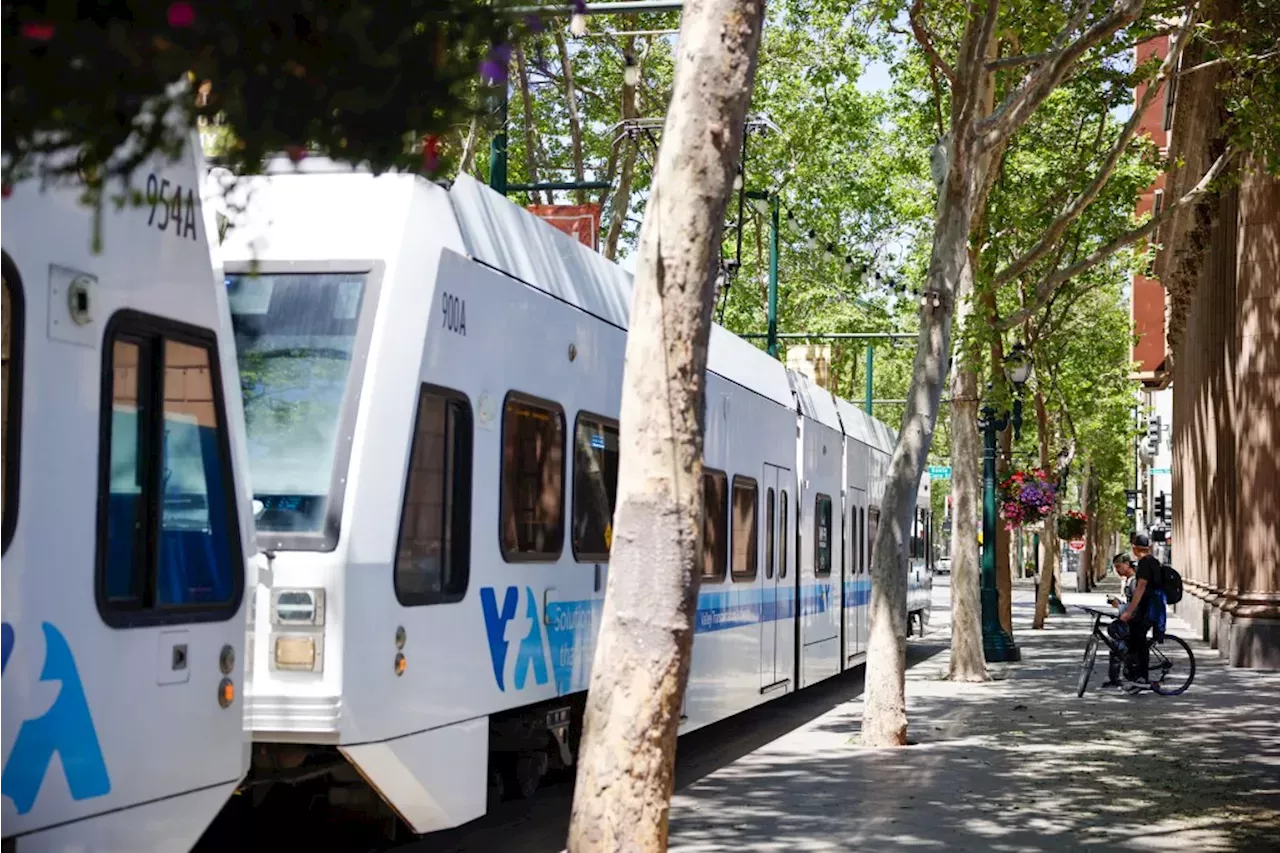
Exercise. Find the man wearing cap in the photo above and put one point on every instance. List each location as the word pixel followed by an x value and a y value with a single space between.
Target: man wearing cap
pixel 1147 574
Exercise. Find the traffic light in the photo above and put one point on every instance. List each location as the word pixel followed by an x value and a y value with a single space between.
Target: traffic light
pixel 1167 513
pixel 1153 434
pixel 1160 507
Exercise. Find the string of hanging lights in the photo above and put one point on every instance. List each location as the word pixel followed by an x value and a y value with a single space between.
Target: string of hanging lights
pixel 862 267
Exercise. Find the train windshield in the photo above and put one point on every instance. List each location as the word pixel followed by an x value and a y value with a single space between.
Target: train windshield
pixel 295 341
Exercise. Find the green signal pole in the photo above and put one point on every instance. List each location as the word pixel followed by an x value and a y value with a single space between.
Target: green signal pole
pixel 498 147
pixel 871 358
pixel 773 276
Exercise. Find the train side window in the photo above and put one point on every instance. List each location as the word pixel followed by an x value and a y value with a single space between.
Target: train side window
pixel 595 487
pixel 782 534
pixel 11 397
pixel 862 540
pixel 532 480
pixel 822 535
pixel 768 533
pixel 433 550
pixel 745 544
pixel 169 539
pixel 715 526
pixel 873 525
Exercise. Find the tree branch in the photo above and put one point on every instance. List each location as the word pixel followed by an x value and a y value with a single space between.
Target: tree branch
pixel 1222 60
pixel 1040 82
pixel 1077 206
pixel 1050 283
pixel 1020 59
pixel 926 42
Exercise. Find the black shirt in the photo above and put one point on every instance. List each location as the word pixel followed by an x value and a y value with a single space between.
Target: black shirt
pixel 1148 570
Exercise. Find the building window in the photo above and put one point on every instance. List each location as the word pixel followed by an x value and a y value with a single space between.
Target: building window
pixel 433 550
pixel 768 533
pixel 782 534
pixel 169 547
pixel 745 532
pixel 532 479
pixel 822 536
pixel 11 397
pixel 715 525
pixel 595 487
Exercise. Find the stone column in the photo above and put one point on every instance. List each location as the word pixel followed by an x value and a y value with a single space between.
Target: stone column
pixel 1254 599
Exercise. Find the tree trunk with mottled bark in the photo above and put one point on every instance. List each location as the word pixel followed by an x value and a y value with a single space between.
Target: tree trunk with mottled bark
pixel 530 139
pixel 622 197
pixel 1048 538
pixel 575 120
pixel 625 773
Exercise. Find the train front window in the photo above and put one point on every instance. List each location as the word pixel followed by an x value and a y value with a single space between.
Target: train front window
pixel 296 339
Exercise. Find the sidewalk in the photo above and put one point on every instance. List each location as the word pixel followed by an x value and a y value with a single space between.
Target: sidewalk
pixel 1017 764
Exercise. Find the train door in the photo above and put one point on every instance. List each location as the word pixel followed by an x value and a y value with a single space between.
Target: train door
pixel 869 550
pixel 773 655
pixel 124 535
pixel 856 585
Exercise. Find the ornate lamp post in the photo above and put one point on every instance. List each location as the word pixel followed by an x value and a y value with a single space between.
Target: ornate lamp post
pixel 997 645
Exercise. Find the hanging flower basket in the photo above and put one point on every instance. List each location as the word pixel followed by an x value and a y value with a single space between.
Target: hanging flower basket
pixel 1072 524
pixel 1027 498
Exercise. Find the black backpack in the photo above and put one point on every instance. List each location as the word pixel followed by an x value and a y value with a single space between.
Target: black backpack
pixel 1171 583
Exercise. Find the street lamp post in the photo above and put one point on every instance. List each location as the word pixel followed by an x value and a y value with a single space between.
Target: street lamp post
pixel 997 645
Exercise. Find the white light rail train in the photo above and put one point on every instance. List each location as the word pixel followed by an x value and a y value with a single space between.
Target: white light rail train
pixel 431 382
pixel 127 522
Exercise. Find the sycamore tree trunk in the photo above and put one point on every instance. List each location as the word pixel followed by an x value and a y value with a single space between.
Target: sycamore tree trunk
pixel 1049 538
pixel 967 660
pixel 622 197
pixel 884 719
pixel 625 773
pixel 575 121
pixel 530 130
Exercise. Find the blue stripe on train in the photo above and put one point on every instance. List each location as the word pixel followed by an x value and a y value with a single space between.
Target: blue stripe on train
pixel 719 611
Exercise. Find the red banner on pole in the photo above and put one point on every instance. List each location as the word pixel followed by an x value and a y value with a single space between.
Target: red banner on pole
pixel 581 221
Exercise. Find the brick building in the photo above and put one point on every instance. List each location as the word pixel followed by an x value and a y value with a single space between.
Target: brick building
pixel 1215 343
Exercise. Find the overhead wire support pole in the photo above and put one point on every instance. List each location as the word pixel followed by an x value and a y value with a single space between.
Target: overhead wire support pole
pixel 870 393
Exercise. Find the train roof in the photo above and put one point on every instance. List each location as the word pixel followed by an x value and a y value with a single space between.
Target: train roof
pixel 492 230
pixel 508 237
pixel 815 401
pixel 860 426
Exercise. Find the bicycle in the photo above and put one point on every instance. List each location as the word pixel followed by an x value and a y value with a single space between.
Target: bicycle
pixel 1164 661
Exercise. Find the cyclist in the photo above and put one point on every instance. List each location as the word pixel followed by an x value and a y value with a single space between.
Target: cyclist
pixel 1124 568
pixel 1137 614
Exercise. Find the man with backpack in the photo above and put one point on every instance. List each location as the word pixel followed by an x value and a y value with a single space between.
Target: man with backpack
pixel 1145 607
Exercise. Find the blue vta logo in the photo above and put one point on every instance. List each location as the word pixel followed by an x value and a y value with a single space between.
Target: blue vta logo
pixel 66 728
pixel 530 654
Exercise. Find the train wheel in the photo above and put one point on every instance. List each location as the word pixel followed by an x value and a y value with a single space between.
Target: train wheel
pixel 525 773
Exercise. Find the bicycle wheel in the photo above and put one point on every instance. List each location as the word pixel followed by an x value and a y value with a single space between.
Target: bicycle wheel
pixel 1086 665
pixel 1172 663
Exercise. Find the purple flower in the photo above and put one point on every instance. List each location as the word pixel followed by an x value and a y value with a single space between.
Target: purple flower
pixel 493 69
pixel 534 22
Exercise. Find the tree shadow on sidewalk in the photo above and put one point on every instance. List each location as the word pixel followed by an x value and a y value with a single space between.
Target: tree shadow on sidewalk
pixel 1017 764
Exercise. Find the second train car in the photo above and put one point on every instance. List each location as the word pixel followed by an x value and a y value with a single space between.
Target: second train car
pixel 431 381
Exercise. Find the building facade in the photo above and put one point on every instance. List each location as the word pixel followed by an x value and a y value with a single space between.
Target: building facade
pixel 1219 264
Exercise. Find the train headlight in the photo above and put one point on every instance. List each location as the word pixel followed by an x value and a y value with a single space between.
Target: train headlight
pixel 298 652
pixel 297 607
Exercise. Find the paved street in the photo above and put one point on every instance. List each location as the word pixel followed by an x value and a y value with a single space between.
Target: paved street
pixel 1018 764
